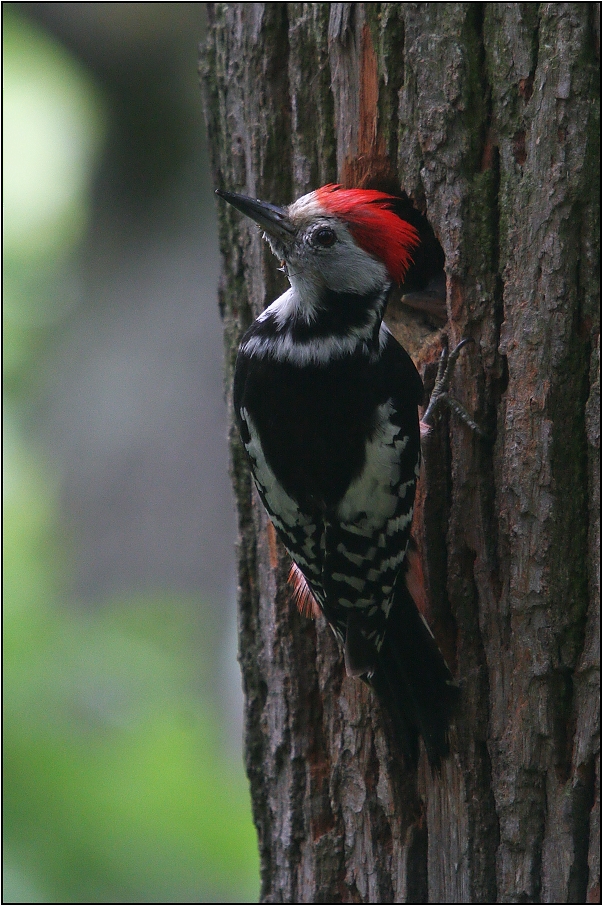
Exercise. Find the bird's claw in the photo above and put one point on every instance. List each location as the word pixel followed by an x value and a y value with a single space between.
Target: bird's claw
pixel 440 396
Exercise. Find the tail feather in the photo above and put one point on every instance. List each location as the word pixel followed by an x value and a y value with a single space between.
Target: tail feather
pixel 413 682
pixel 409 675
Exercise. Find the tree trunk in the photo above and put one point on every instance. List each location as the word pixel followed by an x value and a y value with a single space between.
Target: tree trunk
pixel 487 115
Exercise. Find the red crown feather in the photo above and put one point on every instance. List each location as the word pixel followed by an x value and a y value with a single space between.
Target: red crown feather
pixel 374 225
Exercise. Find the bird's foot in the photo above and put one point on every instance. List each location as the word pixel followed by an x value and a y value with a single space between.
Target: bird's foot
pixel 440 396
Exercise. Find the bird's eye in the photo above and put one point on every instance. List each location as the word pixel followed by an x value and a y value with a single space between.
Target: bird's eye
pixel 325 237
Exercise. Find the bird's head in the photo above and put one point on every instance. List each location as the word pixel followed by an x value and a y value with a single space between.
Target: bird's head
pixel 343 240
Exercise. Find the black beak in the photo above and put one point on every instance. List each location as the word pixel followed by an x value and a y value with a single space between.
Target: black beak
pixel 272 219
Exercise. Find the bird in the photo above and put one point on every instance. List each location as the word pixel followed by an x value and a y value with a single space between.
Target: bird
pixel 326 402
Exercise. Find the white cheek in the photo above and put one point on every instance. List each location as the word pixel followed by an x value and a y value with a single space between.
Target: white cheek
pixel 344 269
pixel 350 269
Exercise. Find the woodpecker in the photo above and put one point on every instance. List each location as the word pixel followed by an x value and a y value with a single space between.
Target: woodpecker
pixel 326 402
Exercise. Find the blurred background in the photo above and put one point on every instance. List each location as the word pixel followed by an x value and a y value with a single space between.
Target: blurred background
pixel 123 771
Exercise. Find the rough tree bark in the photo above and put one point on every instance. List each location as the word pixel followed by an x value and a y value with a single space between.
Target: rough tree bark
pixel 487 115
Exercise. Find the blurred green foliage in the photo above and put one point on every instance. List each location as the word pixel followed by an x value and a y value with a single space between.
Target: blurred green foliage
pixel 118 786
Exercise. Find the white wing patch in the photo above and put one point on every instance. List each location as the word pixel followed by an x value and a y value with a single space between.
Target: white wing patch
pixel 371 500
